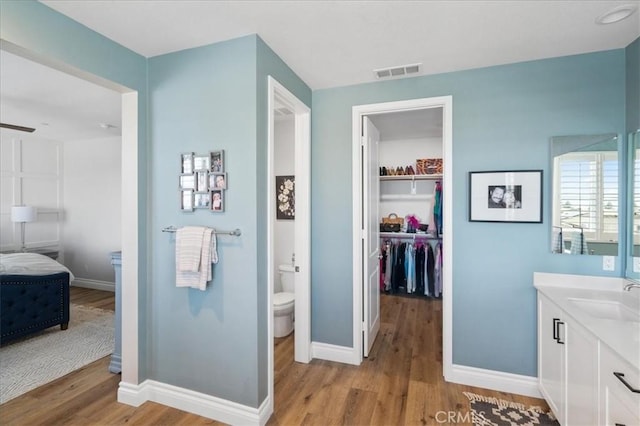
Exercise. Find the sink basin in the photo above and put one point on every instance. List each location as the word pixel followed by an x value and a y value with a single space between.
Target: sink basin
pixel 606 309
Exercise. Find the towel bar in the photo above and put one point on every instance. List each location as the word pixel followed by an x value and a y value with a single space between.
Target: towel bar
pixel 236 232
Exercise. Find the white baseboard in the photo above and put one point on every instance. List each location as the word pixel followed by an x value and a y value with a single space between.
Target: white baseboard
pixel 194 402
pixel 495 380
pixel 94 284
pixel 327 352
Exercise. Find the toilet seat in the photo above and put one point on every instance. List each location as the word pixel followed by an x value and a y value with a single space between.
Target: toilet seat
pixel 281 300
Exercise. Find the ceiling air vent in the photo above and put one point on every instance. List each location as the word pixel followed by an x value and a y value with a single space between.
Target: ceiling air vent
pixel 395 72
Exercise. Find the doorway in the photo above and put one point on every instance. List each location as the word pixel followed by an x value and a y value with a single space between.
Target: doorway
pixel 129 198
pixel 366 221
pixel 284 108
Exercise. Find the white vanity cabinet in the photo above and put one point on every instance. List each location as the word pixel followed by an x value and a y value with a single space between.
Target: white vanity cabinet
pixel 551 355
pixel 567 365
pixel 620 402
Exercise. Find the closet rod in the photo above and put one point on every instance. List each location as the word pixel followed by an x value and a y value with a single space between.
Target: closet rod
pixel 236 232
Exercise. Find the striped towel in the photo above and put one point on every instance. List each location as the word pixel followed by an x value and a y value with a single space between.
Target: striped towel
pixel 207 255
pixel 189 248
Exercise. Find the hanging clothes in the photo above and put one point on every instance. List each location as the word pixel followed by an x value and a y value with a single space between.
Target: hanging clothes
pixel 437 208
pixel 411 268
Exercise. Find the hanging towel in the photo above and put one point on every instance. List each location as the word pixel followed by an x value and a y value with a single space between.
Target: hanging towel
pixel 207 255
pixel 579 243
pixel 189 248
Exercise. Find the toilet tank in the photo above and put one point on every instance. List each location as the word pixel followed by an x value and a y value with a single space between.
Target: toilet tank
pixel 287 278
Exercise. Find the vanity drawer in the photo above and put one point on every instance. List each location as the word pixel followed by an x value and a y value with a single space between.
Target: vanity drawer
pixel 619 390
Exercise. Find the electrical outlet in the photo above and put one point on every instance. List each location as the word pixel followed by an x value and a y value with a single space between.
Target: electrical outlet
pixel 636 264
pixel 608 263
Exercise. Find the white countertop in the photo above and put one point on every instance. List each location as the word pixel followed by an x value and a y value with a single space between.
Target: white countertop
pixel 623 337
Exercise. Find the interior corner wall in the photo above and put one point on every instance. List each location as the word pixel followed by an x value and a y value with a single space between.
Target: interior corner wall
pixel 91 221
pixel 204 100
pixel 503 118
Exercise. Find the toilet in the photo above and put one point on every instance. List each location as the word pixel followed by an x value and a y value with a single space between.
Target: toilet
pixel 284 302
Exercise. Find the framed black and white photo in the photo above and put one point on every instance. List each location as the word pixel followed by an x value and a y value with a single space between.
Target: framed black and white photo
pixel 505 196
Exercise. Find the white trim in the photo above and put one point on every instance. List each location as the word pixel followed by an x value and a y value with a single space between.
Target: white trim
pixel 327 352
pixel 129 238
pixel 358 111
pixel 94 284
pixel 302 338
pixel 495 380
pixel 198 403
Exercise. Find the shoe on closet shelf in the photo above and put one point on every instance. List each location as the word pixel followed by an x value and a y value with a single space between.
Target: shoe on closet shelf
pixel 400 171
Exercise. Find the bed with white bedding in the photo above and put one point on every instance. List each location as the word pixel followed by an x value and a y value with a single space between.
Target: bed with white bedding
pixel 34 294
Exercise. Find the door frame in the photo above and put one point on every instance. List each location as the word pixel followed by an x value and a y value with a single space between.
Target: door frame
pixel 358 111
pixel 130 242
pixel 302 132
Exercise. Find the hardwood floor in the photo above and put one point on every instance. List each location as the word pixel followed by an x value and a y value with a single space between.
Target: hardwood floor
pixel 399 384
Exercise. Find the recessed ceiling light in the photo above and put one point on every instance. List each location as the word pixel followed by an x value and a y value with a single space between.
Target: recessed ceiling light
pixel 616 14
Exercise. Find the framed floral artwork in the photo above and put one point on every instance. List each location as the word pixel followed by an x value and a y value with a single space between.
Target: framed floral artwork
pixel 285 197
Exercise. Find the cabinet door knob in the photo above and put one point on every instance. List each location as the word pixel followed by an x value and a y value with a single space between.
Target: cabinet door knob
pixel 620 377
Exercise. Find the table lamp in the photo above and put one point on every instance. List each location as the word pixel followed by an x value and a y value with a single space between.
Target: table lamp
pixel 22 215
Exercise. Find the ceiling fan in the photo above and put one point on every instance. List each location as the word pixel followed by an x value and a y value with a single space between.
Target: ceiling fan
pixel 16 127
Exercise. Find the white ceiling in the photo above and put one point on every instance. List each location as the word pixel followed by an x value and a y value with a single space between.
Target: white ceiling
pixel 57 105
pixel 327 43
pixel 338 43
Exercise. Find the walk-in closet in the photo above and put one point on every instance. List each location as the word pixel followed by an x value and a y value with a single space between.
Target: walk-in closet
pixel 410 153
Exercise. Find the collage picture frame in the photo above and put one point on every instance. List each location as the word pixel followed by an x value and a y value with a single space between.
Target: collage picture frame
pixel 202 181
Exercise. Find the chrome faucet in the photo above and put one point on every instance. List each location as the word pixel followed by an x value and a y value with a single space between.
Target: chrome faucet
pixel 630 285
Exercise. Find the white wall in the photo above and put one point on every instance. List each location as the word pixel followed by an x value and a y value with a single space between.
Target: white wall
pixel 92 194
pixel 30 174
pixel 284 164
pixel 405 152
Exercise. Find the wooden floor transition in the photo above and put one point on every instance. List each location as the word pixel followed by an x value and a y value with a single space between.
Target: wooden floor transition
pixel 399 384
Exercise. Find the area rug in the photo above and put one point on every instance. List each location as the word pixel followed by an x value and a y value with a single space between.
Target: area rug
pixel 41 358
pixel 487 411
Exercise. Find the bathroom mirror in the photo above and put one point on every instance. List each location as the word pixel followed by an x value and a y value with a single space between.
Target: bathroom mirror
pixel 585 194
pixel 633 236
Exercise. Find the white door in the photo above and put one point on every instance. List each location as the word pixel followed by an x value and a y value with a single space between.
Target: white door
pixel 370 237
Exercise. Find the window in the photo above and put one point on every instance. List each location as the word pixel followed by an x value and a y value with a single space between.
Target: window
pixel 587 188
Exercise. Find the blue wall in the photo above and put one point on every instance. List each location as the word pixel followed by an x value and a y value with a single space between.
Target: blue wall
pixel 206 99
pixel 633 85
pixel 58 39
pixel 503 118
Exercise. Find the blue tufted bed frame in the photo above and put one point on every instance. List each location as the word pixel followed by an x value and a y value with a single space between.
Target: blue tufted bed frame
pixel 30 303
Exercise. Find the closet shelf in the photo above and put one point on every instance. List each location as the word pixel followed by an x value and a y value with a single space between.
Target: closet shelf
pixel 406 235
pixel 406 197
pixel 412 177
